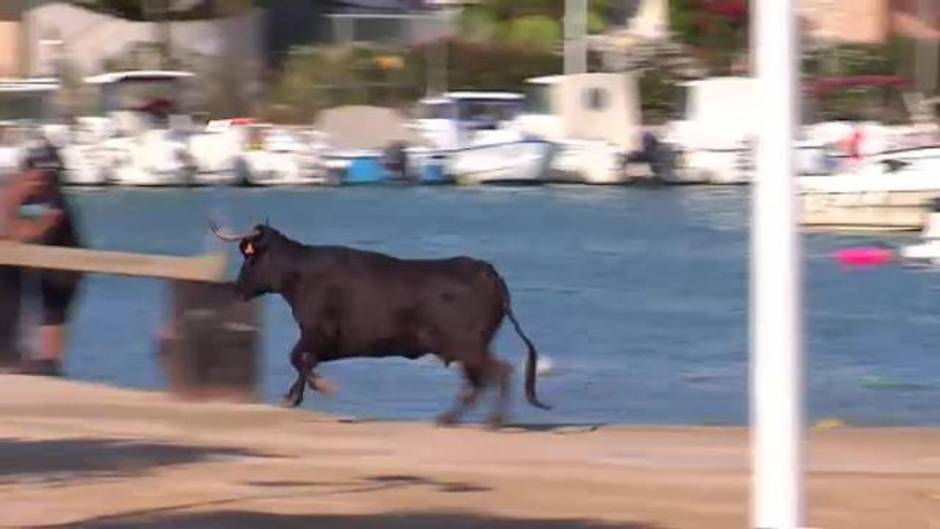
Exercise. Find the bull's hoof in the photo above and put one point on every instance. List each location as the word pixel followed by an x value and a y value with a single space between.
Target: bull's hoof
pixel 290 401
pixel 446 419
pixel 496 422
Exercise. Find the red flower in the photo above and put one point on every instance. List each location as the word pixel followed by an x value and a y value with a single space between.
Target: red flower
pixel 736 10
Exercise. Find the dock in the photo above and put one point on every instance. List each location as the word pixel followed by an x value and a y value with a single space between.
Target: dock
pixel 88 456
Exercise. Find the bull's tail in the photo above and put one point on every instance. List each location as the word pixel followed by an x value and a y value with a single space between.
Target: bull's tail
pixel 532 356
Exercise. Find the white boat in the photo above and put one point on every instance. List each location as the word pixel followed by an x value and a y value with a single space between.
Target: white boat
pixel 593 120
pixel 876 197
pixel 391 149
pixel 714 139
pixel 877 143
pixel 514 161
pixel 277 156
pixel 215 151
pixel 928 250
pixel 241 151
pixel 146 138
pixel 27 116
pixel 474 133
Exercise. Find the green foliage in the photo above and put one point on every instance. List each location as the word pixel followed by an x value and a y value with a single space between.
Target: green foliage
pixel 683 21
pixel 716 39
pixel 595 23
pixel 852 60
pixel 535 31
pixel 537 23
pixel 660 95
pixel 323 77
pixel 478 24
pixel 480 66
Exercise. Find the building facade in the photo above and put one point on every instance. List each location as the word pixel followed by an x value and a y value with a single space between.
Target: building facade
pixel 10 39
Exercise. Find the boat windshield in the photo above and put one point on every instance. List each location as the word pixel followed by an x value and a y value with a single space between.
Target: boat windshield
pixel 488 110
pixel 437 110
pixel 537 99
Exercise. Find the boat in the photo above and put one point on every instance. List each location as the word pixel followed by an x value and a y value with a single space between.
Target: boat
pixel 280 156
pixel 890 196
pixel 389 150
pixel 27 116
pixel 593 123
pixel 146 138
pixel 473 133
pixel 928 250
pixel 714 140
pixel 884 176
pixel 215 151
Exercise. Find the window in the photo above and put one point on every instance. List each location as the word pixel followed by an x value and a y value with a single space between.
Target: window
pixel 595 99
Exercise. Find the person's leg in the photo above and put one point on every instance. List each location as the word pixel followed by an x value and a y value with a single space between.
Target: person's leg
pixel 51 342
pixel 11 300
pixel 56 301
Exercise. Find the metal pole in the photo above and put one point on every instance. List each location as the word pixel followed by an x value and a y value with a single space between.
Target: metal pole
pixel 926 51
pixel 776 282
pixel 575 40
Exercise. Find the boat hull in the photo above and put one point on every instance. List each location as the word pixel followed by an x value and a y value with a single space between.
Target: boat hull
pixel 523 162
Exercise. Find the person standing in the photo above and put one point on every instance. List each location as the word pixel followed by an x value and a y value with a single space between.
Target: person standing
pixel 35 210
pixel 10 281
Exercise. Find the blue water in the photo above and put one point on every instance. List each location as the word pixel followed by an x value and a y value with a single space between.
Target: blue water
pixel 639 297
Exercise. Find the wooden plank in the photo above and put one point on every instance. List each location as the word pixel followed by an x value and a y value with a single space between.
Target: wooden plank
pixel 209 267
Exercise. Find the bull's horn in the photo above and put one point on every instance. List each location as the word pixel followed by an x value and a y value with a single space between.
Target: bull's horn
pixel 226 236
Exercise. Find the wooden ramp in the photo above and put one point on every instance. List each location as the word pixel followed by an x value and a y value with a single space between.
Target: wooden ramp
pixel 209 267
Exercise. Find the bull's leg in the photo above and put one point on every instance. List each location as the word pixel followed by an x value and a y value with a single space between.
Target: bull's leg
pixel 468 396
pixel 319 346
pixel 500 373
pixel 295 395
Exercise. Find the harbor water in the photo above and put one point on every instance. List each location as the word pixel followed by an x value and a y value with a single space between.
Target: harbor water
pixel 638 296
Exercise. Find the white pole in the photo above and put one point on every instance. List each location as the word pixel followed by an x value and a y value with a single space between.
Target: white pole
pixel 776 282
pixel 925 62
pixel 575 36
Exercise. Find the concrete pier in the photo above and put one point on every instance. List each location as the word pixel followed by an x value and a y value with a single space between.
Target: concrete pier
pixel 82 455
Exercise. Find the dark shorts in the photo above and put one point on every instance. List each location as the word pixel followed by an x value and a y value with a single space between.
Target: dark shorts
pixel 11 287
pixel 58 290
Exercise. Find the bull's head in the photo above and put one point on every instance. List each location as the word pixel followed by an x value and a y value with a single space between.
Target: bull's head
pixel 258 274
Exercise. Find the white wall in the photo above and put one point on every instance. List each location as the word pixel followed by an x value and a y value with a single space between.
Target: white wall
pixel 89 38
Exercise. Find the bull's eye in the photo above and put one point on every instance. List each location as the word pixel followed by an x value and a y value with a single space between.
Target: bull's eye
pixel 249 249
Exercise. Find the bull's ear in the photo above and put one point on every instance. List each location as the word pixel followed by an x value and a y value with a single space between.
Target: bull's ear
pixel 247 247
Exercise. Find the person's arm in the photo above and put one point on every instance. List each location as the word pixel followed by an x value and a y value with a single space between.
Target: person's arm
pixel 12 227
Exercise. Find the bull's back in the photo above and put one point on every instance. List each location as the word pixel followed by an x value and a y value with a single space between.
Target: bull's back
pixel 383 304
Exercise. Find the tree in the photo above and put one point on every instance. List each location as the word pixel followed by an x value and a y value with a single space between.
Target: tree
pixel 717 29
pixel 535 23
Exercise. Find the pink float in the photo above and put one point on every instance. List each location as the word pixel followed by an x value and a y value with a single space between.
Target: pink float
pixel 865 256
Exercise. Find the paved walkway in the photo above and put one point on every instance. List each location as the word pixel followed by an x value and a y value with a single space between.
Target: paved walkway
pixel 79 455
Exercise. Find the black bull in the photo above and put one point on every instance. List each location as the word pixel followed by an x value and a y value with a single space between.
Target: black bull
pixel 351 303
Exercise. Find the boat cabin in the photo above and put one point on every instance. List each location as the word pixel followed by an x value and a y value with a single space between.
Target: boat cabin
pixel 588 106
pixel 159 94
pixel 452 119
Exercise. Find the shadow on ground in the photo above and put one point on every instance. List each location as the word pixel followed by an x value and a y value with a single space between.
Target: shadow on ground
pixel 254 520
pixel 68 459
pixel 559 427
pixel 375 484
